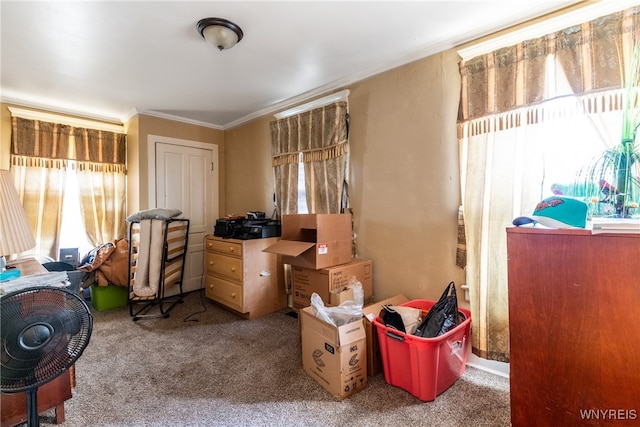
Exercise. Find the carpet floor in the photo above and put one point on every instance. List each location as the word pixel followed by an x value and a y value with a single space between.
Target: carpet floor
pixel 205 366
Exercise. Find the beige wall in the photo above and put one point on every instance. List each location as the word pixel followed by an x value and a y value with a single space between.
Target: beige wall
pixel 138 131
pixel 249 172
pixel 405 188
pixel 404 175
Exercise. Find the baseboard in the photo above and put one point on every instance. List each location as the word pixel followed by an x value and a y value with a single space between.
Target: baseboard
pixel 497 368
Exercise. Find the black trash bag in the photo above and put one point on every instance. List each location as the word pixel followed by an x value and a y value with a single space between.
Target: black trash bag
pixel 391 318
pixel 443 315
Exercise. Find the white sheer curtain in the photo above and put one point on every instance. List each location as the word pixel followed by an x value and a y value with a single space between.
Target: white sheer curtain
pixel 531 116
pixel 505 174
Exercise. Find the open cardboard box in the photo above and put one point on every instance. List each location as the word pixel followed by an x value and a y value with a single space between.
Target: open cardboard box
pixel 314 240
pixel 335 356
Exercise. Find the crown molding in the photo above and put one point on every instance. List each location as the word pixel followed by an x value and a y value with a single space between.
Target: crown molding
pixel 62 111
pixel 178 119
pixel 65 120
pixel 316 103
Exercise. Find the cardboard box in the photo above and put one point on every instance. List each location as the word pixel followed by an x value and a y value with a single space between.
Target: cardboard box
pixel 305 281
pixel 335 357
pixel 337 298
pixel 314 240
pixel 374 357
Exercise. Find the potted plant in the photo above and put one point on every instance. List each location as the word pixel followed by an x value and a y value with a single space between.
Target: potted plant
pixel 611 182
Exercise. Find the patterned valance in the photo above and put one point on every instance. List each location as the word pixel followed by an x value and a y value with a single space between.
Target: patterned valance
pixel 560 108
pixel 43 142
pixel 316 135
pixel 582 59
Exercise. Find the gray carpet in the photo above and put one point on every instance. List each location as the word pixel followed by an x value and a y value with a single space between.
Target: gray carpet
pixel 222 370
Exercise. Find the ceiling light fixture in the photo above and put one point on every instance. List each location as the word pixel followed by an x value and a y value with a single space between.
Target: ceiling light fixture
pixel 219 32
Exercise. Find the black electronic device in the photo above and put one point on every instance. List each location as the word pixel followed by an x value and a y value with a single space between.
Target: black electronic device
pixel 253 215
pixel 255 226
pixel 228 227
pixel 260 229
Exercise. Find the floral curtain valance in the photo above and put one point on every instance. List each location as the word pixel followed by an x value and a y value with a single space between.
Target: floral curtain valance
pixel 316 135
pixel 582 59
pixel 38 143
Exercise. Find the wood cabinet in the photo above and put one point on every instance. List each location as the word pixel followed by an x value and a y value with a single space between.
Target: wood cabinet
pixel 50 395
pixel 574 303
pixel 242 277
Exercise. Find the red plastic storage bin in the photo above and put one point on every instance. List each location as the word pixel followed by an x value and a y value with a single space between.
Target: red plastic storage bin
pixel 425 367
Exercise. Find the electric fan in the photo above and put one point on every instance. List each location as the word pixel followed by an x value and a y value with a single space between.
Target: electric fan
pixel 44 331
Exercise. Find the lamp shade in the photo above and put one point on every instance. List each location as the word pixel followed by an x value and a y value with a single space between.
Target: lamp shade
pixel 15 234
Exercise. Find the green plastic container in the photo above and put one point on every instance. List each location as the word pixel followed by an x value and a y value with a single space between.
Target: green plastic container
pixel 108 297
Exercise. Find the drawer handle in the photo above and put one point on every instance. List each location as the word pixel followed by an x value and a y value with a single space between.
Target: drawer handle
pixel 210 262
pixel 233 269
pixel 233 294
pixel 211 286
pixel 231 249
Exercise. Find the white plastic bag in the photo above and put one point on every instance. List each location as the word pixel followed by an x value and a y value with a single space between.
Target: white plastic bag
pixel 347 312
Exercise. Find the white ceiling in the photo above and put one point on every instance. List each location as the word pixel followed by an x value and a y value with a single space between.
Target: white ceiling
pixel 112 59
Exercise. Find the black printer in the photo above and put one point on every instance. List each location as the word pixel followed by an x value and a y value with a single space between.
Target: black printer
pixel 260 229
pixel 254 226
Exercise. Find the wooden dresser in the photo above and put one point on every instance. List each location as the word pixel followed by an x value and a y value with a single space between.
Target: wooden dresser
pixel 243 278
pixel 50 395
pixel 574 303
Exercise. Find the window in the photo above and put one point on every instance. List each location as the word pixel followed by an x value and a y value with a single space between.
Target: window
pixel 302 192
pixel 73 233
pixel 532 115
pixel 71 181
pixel 311 144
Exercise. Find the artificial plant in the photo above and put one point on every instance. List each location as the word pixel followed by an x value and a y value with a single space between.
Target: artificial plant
pixel 611 182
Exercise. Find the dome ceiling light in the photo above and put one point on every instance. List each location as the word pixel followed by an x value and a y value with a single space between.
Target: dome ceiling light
pixel 219 32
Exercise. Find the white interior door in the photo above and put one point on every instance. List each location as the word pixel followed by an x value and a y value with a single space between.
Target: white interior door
pixel 186 178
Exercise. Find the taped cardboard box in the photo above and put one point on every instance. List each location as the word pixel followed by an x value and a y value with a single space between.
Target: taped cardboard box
pixel 334 356
pixel 374 358
pixel 314 240
pixel 326 281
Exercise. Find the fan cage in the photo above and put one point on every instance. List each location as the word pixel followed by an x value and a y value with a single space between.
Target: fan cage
pixel 63 313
